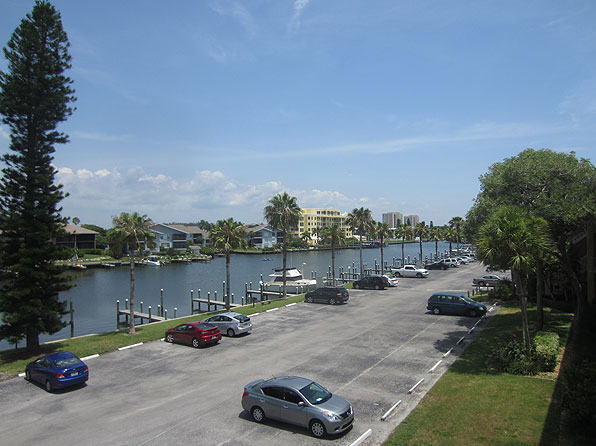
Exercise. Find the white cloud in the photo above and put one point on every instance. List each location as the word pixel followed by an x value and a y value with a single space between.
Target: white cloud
pixel 295 22
pixel 99 137
pixel 98 195
pixel 239 13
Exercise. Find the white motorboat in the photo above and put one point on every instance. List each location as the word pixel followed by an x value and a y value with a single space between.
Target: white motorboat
pixel 294 280
pixel 154 261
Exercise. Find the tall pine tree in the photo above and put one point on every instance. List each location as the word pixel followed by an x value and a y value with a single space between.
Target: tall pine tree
pixel 34 98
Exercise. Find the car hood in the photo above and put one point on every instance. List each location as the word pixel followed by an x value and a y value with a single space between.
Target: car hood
pixel 335 404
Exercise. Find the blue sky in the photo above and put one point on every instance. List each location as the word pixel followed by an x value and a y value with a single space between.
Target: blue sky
pixel 192 110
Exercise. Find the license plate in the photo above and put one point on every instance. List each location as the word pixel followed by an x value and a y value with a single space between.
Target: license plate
pixel 74 373
pixel 214 337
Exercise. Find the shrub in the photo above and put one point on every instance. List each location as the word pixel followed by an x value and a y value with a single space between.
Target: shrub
pixel 502 291
pixel 578 392
pixel 512 358
pixel 547 350
pixel 91 251
pixel 207 251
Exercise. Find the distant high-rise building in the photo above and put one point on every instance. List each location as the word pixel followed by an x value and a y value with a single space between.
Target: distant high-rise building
pixel 411 220
pixel 393 219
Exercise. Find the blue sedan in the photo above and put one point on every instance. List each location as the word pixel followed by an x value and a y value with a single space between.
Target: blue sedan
pixel 57 370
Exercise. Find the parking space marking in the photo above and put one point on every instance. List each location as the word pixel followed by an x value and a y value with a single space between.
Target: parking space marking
pixel 90 357
pixel 362 437
pixel 129 346
pixel 448 352
pixel 415 386
pixel 460 340
pixel 289 305
pixel 386 415
pixel 434 367
pixel 272 309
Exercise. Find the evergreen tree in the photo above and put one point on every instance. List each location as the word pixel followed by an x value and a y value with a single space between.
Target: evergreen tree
pixel 34 98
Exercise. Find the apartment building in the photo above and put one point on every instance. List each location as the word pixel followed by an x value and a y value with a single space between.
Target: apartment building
pixel 393 219
pixel 314 219
pixel 411 220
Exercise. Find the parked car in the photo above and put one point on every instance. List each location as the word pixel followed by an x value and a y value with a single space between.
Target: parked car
pixel 393 281
pixel 436 265
pixel 329 295
pixel 487 280
pixel 450 261
pixel 373 282
pixel 410 271
pixel 453 303
pixel 298 401
pixel 57 370
pixel 195 333
pixel 231 323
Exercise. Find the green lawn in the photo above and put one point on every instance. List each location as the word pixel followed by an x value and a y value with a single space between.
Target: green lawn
pixel 13 362
pixel 472 405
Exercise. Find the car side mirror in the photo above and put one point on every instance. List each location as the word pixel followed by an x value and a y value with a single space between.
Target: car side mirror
pixel 301 404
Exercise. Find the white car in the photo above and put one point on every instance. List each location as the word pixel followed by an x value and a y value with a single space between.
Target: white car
pixel 450 261
pixel 392 280
pixel 410 271
pixel 231 323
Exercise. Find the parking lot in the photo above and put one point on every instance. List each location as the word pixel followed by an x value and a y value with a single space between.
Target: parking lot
pixel 371 351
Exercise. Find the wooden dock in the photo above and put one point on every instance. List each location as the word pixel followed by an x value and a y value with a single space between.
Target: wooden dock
pixel 149 317
pixel 209 303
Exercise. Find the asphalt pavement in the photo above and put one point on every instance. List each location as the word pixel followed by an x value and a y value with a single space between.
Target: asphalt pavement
pixel 372 351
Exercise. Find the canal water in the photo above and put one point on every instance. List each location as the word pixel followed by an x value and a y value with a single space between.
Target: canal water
pixel 96 290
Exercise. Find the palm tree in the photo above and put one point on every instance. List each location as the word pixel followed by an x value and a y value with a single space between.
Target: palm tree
pixel 228 235
pixel 135 229
pixel 420 231
pixel 335 236
pixel 306 237
pixel 511 239
pixel 360 220
pixel 403 232
pixel 435 234
pixel 283 213
pixel 383 232
pixel 457 224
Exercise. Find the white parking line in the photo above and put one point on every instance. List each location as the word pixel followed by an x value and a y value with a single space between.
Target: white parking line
pixel 448 352
pixel 273 309
pixel 21 374
pixel 289 305
pixel 90 357
pixel 130 346
pixel 415 385
pixel 471 329
pixel 386 415
pixel 362 437
pixel 460 340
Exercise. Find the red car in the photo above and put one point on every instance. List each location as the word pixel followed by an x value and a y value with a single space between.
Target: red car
pixel 194 333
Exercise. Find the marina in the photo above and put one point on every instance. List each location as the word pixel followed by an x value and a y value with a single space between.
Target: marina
pixel 170 287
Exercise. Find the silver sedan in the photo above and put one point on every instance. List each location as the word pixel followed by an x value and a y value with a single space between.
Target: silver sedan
pixel 231 323
pixel 298 401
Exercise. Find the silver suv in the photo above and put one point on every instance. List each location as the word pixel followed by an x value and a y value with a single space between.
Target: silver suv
pixel 231 323
pixel 298 401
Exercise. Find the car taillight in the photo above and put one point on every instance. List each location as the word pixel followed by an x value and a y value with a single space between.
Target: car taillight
pixel 59 375
pixel 245 393
pixel 86 369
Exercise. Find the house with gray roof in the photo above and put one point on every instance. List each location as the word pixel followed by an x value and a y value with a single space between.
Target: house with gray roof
pixel 263 236
pixel 178 236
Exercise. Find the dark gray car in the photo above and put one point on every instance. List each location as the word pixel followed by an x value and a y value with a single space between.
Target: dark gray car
pixel 328 294
pixel 298 401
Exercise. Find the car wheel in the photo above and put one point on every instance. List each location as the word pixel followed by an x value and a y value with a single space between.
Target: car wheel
pixel 436 310
pixel 397 274
pixel 170 338
pixel 481 284
pixel 355 286
pixel 308 299
pixel 317 428
pixel 27 375
pixel 231 332
pixel 444 267
pixel 257 414
pixel 332 301
pixel 377 287
pixel 195 343
pixel 49 386
pixel 419 275
pixel 473 313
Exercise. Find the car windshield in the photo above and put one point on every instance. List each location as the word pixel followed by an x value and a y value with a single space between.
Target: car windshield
pixel 315 393
pixel 468 299
pixel 66 362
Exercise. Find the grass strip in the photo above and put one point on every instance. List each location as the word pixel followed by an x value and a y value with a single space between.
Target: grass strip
pixel 472 404
pixel 13 362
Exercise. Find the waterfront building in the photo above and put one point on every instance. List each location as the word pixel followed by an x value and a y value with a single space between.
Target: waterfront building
pixel 411 220
pixel 263 236
pixel 315 219
pixel 77 237
pixel 178 236
pixel 393 219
